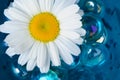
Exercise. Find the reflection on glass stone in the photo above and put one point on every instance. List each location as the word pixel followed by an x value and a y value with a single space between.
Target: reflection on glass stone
pixel 93 55
pixel 94 28
pixel 19 71
pixel 48 76
pixel 103 38
pixel 90 5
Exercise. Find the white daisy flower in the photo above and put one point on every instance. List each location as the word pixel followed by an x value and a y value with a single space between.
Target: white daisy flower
pixel 43 31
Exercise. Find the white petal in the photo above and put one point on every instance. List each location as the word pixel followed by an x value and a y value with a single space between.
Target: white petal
pixel 29 57
pixel 41 55
pixel 74 49
pixel 70 2
pixel 15 14
pixel 34 50
pixel 73 36
pixel 33 56
pixel 23 58
pixel 74 17
pixel 64 53
pixel 42 5
pixel 68 11
pixel 43 59
pixel 70 25
pixel 29 7
pixel 12 26
pixel 81 31
pixel 17 42
pixel 31 65
pixel 58 5
pixel 49 4
pixel 46 67
pixel 21 6
pixel 61 4
pixel 81 12
pixel 10 52
pixel 54 54
pixel 70 34
pixel 13 37
pixel 33 6
pixel 78 41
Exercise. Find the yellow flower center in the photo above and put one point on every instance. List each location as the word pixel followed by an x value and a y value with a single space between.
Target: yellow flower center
pixel 44 27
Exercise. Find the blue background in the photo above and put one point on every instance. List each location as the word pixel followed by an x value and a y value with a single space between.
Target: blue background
pixel 109 71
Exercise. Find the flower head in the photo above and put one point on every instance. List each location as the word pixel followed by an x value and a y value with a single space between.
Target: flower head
pixel 43 31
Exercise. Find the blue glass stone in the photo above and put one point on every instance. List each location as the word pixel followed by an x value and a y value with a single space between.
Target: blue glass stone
pixel 93 6
pixel 51 75
pixel 94 27
pixel 93 55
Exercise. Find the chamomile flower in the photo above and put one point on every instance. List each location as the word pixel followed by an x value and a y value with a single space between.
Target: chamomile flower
pixel 43 32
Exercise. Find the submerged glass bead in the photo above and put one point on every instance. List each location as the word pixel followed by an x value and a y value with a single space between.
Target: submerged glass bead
pixel 93 55
pixel 51 75
pixel 19 71
pixel 93 6
pixel 94 27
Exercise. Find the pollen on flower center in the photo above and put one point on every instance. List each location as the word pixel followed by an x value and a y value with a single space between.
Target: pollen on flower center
pixel 44 27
